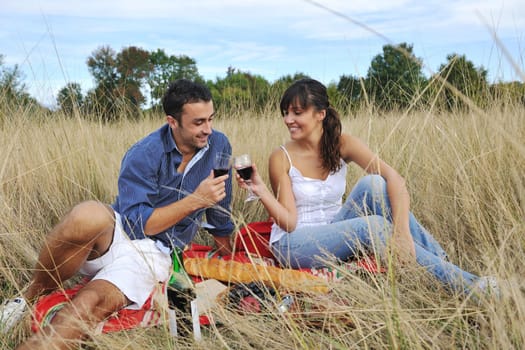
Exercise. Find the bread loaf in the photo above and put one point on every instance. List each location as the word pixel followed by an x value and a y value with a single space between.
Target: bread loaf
pixel 236 272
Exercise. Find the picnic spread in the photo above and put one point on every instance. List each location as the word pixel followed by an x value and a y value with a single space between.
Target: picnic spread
pixel 247 280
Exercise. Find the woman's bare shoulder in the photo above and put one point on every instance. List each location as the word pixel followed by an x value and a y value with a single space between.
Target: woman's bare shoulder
pixel 277 156
pixel 347 146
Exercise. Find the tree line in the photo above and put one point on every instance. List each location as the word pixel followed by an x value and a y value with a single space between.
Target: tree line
pixel 134 79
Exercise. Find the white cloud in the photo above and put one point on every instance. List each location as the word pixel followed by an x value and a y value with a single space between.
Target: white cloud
pixel 303 18
pixel 249 51
pixel 273 37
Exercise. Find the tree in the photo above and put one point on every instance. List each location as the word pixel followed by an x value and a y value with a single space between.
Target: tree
pixel 102 64
pixel 13 91
pixel 241 90
pixel 350 88
pixel 280 85
pixel 395 77
pixel 119 80
pixel 12 88
pixel 133 66
pixel 70 98
pixel 286 80
pixel 469 81
pixel 165 69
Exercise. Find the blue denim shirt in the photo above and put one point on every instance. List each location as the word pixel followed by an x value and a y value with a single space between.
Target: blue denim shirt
pixel 149 179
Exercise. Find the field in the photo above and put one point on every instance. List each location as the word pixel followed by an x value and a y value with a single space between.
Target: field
pixel 465 173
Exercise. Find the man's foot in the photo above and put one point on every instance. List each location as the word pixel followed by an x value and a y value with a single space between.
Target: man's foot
pixel 11 312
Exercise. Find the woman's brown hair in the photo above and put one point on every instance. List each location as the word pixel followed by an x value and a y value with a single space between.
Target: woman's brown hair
pixel 309 92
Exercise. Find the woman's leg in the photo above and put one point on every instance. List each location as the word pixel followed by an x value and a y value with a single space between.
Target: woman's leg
pixel 309 246
pixel 369 196
pixel 449 274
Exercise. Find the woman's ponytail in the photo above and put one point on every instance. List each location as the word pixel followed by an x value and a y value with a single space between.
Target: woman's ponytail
pixel 330 140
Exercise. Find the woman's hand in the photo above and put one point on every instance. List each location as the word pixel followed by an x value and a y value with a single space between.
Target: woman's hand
pixel 257 185
pixel 402 247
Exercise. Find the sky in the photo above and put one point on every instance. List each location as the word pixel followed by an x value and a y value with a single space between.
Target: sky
pixel 50 40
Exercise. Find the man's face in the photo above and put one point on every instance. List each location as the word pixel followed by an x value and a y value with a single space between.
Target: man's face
pixel 195 126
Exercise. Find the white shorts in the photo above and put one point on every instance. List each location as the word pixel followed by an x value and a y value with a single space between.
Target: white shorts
pixel 133 266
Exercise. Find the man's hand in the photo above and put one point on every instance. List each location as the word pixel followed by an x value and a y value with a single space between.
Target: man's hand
pixel 211 190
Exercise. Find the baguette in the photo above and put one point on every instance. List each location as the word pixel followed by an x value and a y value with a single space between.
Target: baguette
pixel 236 272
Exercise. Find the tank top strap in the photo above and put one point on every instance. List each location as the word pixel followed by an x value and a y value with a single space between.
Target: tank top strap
pixel 287 155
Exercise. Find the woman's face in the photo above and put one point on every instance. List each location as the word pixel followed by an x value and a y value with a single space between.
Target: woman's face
pixel 303 121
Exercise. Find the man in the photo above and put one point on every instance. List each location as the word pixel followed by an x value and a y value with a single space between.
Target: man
pixel 165 187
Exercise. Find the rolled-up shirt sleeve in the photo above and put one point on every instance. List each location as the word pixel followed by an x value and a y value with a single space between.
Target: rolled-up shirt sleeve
pixel 137 185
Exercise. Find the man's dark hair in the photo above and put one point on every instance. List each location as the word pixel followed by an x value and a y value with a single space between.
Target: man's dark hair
pixel 181 92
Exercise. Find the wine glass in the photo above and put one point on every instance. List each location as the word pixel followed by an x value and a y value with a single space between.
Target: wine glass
pixel 221 164
pixel 243 165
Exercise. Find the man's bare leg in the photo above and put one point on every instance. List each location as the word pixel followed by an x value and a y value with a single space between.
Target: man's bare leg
pixel 92 304
pixel 86 232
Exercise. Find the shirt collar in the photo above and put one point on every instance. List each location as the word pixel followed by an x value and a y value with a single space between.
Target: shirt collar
pixel 171 146
pixel 200 153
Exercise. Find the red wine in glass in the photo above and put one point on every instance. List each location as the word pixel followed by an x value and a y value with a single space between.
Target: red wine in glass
pixel 219 172
pixel 243 165
pixel 245 173
pixel 222 164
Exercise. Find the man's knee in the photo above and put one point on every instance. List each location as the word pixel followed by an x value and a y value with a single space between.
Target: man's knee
pixel 87 220
pixel 91 213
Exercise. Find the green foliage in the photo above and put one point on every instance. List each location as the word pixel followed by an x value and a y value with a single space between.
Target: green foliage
pixel 166 69
pixel 351 90
pixel 465 82
pixel 13 92
pixel 395 77
pixel 119 80
pixel 240 90
pixel 337 100
pixel 102 65
pixel 70 98
pixel 11 81
pixel 281 84
pixel 125 81
pixel 133 66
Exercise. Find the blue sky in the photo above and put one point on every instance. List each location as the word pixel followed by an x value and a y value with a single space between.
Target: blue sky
pixel 52 39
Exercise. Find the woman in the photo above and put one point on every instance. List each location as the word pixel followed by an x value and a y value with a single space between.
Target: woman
pixel 308 177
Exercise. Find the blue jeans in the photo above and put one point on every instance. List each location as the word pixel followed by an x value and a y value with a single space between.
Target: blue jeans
pixel 363 224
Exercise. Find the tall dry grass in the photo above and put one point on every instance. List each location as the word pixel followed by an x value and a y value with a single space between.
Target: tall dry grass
pixel 465 176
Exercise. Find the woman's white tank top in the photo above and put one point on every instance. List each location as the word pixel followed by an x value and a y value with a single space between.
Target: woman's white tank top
pixel 317 201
